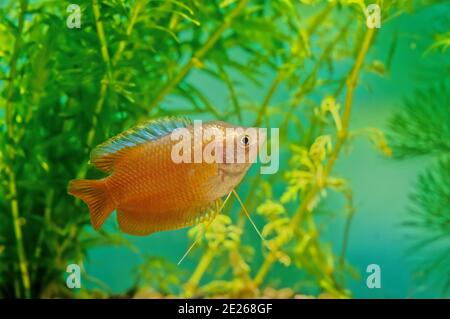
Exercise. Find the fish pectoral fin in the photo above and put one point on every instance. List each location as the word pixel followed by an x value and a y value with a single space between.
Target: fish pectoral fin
pixel 140 222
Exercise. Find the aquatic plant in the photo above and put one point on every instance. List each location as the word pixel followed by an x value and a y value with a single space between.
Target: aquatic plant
pixel 64 90
pixel 422 129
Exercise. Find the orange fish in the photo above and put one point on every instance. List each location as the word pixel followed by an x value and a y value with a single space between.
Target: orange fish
pixel 151 191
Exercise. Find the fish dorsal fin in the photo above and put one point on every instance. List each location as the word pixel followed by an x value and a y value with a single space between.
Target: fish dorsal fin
pixel 105 155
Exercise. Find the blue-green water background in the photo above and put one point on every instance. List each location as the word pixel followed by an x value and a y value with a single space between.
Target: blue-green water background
pixel 381 185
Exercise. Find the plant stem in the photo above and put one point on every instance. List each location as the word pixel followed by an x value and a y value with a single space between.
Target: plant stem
pixel 341 138
pixel 283 71
pixel 171 84
pixel 197 275
pixel 14 202
pixel 138 5
pixel 345 237
pixel 273 87
pixel 304 87
pixel 102 38
pixel 232 92
pixel 47 216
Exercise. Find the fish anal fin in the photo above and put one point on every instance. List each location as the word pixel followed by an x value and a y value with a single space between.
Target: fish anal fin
pixel 140 222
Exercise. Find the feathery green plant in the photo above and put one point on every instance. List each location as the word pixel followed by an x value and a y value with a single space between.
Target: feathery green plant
pixel 422 129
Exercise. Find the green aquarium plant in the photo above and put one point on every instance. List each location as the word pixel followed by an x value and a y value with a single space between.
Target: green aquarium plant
pixel 422 129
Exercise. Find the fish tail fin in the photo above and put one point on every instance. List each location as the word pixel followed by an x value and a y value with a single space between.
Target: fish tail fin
pixel 94 193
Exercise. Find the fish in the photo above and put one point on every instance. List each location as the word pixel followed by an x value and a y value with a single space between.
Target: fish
pixel 152 192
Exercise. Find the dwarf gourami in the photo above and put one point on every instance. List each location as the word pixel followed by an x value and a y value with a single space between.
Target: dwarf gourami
pixel 151 191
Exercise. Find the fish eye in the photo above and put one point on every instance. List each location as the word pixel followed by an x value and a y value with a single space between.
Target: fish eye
pixel 245 140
